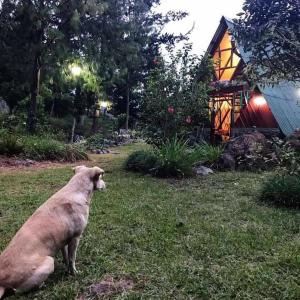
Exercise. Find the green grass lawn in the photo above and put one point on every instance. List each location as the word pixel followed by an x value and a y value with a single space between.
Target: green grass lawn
pixel 204 238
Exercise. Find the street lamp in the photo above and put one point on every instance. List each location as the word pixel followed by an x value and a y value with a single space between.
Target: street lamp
pixel 75 70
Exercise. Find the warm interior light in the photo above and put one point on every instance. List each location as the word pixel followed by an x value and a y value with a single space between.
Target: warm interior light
pixel 260 100
pixel 75 70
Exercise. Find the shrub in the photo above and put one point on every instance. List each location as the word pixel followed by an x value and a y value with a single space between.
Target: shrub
pixel 95 141
pixel 47 149
pixel 141 161
pixel 174 159
pixel 283 190
pixel 207 154
pixel 10 145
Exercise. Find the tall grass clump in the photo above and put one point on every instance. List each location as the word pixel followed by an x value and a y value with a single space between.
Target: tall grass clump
pixel 10 145
pixel 173 158
pixel 47 149
pixel 282 190
pixel 207 154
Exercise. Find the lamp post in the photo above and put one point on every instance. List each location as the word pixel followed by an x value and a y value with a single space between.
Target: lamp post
pixel 75 71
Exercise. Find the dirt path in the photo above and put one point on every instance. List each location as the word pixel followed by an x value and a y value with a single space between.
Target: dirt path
pixel 11 164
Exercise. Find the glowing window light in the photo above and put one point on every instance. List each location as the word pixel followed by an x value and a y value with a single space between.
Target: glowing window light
pixel 260 101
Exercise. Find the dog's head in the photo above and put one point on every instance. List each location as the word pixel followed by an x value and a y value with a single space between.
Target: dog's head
pixel 95 174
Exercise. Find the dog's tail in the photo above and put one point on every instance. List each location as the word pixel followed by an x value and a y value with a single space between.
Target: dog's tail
pixel 2 291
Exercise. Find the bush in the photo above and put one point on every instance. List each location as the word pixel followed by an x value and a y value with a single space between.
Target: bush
pixel 47 149
pixel 283 190
pixel 207 154
pixel 174 159
pixel 141 161
pixel 95 142
pixel 10 145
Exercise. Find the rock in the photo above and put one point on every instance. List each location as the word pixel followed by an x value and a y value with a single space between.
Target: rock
pixel 293 140
pixel 245 152
pixel 203 171
pixel 227 162
pixel 245 144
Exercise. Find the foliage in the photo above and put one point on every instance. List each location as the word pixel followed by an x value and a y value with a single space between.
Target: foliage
pixel 207 154
pixel 282 190
pixel 173 158
pixel 10 145
pixel 176 96
pixel 132 33
pixel 43 34
pixel 95 142
pixel 38 148
pixel 269 30
pixel 141 161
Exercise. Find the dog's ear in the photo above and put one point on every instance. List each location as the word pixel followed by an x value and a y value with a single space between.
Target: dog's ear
pixel 97 173
pixel 78 168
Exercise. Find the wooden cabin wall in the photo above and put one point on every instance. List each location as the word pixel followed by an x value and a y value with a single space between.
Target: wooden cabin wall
pixel 256 114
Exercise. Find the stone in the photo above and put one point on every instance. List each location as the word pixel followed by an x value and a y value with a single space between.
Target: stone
pixel 226 162
pixel 203 171
pixel 245 144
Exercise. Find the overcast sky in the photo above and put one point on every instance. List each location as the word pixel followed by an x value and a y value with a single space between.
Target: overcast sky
pixel 205 13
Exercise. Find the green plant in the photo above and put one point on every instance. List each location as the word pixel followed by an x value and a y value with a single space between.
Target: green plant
pixel 46 149
pixel 207 154
pixel 141 161
pixel 282 190
pixel 95 141
pixel 174 159
pixel 176 96
pixel 10 145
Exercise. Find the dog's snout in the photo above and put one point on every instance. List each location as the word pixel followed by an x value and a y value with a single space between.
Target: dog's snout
pixel 101 185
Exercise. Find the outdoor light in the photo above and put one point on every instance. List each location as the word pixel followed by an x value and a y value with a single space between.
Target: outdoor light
pixel 260 101
pixel 75 70
pixel 103 104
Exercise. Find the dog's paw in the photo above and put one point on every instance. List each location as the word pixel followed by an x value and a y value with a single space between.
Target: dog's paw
pixel 73 271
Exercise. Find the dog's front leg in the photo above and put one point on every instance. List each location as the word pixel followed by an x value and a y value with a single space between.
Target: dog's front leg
pixel 64 252
pixel 72 248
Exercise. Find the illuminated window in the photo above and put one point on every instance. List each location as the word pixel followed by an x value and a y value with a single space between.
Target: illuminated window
pixel 226 58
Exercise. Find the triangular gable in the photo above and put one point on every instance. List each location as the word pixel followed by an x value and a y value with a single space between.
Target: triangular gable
pixel 283 98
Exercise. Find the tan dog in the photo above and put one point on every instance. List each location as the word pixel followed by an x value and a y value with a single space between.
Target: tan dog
pixel 58 224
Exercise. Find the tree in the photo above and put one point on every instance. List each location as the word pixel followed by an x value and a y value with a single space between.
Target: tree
pixel 176 96
pixel 131 36
pixel 45 31
pixel 270 31
pixel 83 82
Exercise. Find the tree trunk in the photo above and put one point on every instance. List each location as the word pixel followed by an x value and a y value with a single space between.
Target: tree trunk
pixel 52 108
pixel 95 121
pixel 73 130
pixel 127 106
pixel 34 92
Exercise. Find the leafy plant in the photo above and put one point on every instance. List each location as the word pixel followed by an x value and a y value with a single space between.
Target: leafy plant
pixel 141 161
pixel 176 96
pixel 95 141
pixel 207 154
pixel 174 159
pixel 282 190
pixel 10 145
pixel 46 149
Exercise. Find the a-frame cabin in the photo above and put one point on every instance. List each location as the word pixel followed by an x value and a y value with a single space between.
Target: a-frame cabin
pixel 236 106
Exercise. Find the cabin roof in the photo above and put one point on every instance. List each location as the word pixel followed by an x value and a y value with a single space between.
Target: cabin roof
pixel 283 98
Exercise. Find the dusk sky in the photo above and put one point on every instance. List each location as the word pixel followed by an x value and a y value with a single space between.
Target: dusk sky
pixel 205 13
